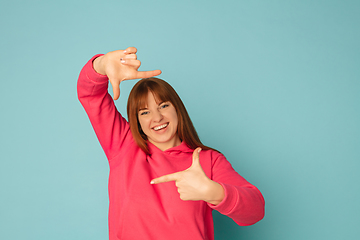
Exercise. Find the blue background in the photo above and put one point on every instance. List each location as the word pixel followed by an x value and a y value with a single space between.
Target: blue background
pixel 274 85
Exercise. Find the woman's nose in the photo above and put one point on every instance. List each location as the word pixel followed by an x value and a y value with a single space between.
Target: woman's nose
pixel 157 116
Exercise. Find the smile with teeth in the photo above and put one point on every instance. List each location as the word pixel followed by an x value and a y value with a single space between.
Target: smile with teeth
pixel 157 128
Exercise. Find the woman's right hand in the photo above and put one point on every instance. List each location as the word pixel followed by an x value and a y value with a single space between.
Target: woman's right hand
pixel 121 65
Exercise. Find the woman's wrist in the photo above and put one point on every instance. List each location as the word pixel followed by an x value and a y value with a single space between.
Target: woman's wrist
pixel 98 66
pixel 216 193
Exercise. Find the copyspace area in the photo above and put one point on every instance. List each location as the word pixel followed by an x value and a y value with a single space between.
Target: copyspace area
pixel 274 85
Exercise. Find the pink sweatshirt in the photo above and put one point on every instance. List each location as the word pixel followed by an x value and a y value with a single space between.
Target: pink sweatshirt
pixel 139 210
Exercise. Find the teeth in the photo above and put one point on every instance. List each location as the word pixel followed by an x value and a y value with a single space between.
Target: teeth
pixel 160 127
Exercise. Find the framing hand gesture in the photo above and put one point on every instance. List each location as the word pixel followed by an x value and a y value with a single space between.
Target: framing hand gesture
pixel 121 65
pixel 193 184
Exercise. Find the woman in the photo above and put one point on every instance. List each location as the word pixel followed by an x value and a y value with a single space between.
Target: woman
pixel 160 185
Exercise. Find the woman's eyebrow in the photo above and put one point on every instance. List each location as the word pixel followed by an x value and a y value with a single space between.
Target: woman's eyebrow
pixel 164 102
pixel 141 109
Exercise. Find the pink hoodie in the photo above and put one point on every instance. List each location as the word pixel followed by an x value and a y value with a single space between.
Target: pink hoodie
pixel 139 210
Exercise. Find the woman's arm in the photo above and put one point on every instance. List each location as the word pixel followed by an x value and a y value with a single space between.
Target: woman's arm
pixel 110 127
pixel 226 191
pixel 243 202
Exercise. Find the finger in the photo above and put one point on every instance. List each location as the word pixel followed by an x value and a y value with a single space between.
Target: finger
pixel 166 178
pixel 196 157
pixel 130 56
pixel 116 90
pixel 130 50
pixel 148 74
pixel 131 62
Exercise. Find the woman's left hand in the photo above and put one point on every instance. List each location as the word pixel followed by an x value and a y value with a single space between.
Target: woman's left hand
pixel 193 184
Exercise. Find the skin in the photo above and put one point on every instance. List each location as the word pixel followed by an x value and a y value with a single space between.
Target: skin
pixel 159 114
pixel 119 66
pixel 192 183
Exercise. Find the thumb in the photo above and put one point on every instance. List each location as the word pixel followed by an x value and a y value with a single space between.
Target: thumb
pixel 166 178
pixel 116 89
pixel 196 158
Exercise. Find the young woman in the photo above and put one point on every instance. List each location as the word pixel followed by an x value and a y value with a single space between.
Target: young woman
pixel 161 186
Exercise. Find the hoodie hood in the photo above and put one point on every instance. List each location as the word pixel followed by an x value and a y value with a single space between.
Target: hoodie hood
pixel 182 148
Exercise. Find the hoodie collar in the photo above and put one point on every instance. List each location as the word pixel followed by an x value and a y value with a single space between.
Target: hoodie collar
pixel 182 148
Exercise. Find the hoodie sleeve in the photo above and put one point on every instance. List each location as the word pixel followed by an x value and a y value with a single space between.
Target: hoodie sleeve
pixel 110 127
pixel 243 202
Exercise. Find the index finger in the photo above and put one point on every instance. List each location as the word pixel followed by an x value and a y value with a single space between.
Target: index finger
pixel 147 74
pixel 165 178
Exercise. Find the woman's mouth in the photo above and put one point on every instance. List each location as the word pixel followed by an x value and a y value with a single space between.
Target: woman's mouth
pixel 157 128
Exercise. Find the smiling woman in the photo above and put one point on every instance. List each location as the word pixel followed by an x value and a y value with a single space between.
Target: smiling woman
pixel 159 144
pixel 158 123
pixel 151 100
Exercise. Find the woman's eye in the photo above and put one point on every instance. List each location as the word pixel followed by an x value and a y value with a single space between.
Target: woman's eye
pixel 164 105
pixel 144 113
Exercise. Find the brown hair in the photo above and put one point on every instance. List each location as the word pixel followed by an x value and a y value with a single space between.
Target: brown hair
pixel 162 92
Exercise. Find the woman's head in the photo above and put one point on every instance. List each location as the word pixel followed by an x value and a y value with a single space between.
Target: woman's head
pixel 152 105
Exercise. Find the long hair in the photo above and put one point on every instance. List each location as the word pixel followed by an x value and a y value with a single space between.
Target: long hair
pixel 162 92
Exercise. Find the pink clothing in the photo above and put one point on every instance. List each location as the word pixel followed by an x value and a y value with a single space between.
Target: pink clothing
pixel 139 210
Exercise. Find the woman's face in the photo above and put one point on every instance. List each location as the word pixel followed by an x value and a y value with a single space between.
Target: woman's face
pixel 159 122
